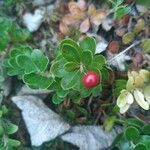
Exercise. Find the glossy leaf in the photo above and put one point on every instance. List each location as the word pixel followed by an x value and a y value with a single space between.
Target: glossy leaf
pixel 37 81
pixel 26 63
pixel 10 128
pixel 128 38
pixel 88 44
pixel 13 143
pixel 70 53
pixel 56 99
pixel 70 42
pixel 140 146
pixel 87 58
pixel 131 133
pixel 39 59
pixel 70 80
pixel 71 66
pixel 57 68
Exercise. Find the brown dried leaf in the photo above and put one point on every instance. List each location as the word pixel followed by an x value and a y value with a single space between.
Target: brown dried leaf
pixel 97 17
pixel 69 20
pixel 114 47
pixel 64 28
pixel 85 25
pixel 79 16
pixel 73 7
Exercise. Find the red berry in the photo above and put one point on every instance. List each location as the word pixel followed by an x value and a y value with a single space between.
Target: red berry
pixel 91 79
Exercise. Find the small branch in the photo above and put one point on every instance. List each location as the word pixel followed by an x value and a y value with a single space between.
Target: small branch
pixel 124 51
pixel 89 103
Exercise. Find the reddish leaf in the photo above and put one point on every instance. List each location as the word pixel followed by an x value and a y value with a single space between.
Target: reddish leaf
pixel 85 25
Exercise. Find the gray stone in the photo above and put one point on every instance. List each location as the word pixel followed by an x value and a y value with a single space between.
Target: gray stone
pixel 90 137
pixel 42 123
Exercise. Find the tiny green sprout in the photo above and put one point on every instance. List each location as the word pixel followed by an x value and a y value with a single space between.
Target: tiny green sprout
pixel 119 8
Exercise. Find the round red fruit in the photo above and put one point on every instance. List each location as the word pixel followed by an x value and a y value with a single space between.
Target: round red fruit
pixel 91 79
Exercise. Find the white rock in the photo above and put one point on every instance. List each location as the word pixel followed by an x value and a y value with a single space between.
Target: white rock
pixel 33 21
pixel 107 23
pixel 40 2
pixel 119 62
pixel 42 123
pixel 90 137
pixel 141 8
pixel 101 46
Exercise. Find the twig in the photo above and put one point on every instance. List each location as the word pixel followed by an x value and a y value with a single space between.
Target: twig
pixel 89 103
pixel 124 51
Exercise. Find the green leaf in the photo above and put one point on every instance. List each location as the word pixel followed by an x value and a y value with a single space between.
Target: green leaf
pixel 105 74
pixel 57 68
pixel 20 49
pixel 15 52
pixel 84 92
pixel 4 39
pixel 99 61
pixel 122 11
pixel 146 46
pixel 39 59
pixel 140 146
pixel 86 58
pixel 13 143
pixel 56 99
pixel 146 129
pixel 109 123
pixel 117 139
pixel 1 130
pixel 143 2
pixel 119 2
pixel 132 133
pixel 75 96
pixel 26 63
pixel 88 44
pixel 70 42
pixel 70 114
pixel 82 111
pixel 5 24
pixel 125 145
pixel 37 81
pixel 145 139
pixel 128 37
pixel 18 34
pixel 135 122
pixel 70 80
pixel 70 53
pixel 71 66
pixel 12 67
pixel 61 93
pixel 13 63
pixel 96 90
pixel 10 128
pixel 119 86
pixel 4 109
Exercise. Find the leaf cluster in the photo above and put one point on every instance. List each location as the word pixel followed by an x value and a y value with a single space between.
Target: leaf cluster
pixel 67 69
pixel 135 136
pixel 11 33
pixel 6 130
pixel 71 63
pixel 29 64
pixel 119 8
